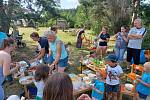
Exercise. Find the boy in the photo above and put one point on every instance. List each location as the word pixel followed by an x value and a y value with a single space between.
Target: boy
pixel 114 72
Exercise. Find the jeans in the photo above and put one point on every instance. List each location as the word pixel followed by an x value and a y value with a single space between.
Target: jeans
pixel 1 93
pixel 120 53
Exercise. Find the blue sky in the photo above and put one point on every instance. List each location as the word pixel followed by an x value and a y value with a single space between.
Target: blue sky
pixel 67 4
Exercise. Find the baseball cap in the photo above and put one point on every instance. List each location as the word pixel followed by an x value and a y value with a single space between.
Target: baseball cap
pixel 111 57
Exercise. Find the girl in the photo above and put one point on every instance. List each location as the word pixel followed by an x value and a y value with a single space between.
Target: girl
pixel 121 44
pixel 6 47
pixel 103 39
pixel 58 87
pixel 143 87
pixel 41 74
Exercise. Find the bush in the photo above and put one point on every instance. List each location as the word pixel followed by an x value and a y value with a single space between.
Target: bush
pixel 51 22
pixel 146 41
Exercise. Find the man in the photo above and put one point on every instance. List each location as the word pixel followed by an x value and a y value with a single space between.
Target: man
pixel 135 37
pixel 43 42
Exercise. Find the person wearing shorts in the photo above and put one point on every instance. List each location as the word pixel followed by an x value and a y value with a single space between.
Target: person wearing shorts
pixel 135 37
pixel 143 85
pixel 114 71
pixel 58 52
pixel 103 38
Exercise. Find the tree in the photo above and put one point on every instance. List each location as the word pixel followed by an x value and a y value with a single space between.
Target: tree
pixel 119 13
pixel 135 8
pixel 69 16
pixel 10 9
pixel 7 12
pixel 112 13
pixel 83 14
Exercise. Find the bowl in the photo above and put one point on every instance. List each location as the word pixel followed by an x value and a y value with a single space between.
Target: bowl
pixel 129 87
pixel 23 64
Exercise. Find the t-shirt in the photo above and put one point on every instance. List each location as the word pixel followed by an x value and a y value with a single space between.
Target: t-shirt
pixel 101 87
pixel 53 48
pixel 103 37
pixel 44 44
pixel 112 75
pixel 136 43
pixel 142 88
pixel 3 35
pixel 120 42
pixel 40 87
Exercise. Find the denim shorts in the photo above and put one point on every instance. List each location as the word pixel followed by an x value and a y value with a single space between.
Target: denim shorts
pixel 142 96
pixel 112 88
pixel 62 62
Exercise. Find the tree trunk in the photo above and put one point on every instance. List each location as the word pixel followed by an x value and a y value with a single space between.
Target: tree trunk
pixel 135 4
pixel 6 15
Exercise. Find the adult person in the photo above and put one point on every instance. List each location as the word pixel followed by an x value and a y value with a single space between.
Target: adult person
pixel 58 51
pixel 121 43
pixel 5 61
pixel 80 37
pixel 135 36
pixel 54 28
pixel 43 42
pixel 102 39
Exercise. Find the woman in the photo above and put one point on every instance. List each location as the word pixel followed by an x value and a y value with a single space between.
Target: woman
pixel 6 46
pixel 58 52
pixel 103 39
pixel 44 47
pixel 58 87
pixel 121 43
pixel 80 37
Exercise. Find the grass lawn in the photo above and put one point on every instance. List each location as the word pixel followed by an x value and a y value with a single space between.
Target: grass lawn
pixel 28 53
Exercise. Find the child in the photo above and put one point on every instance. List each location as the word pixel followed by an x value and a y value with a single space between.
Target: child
pixel 98 89
pixel 103 39
pixel 143 87
pixel 114 72
pixel 58 87
pixel 41 74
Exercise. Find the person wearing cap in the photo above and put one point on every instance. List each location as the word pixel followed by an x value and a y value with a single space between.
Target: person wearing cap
pixel 135 37
pixel 58 52
pixel 43 42
pixel 114 71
